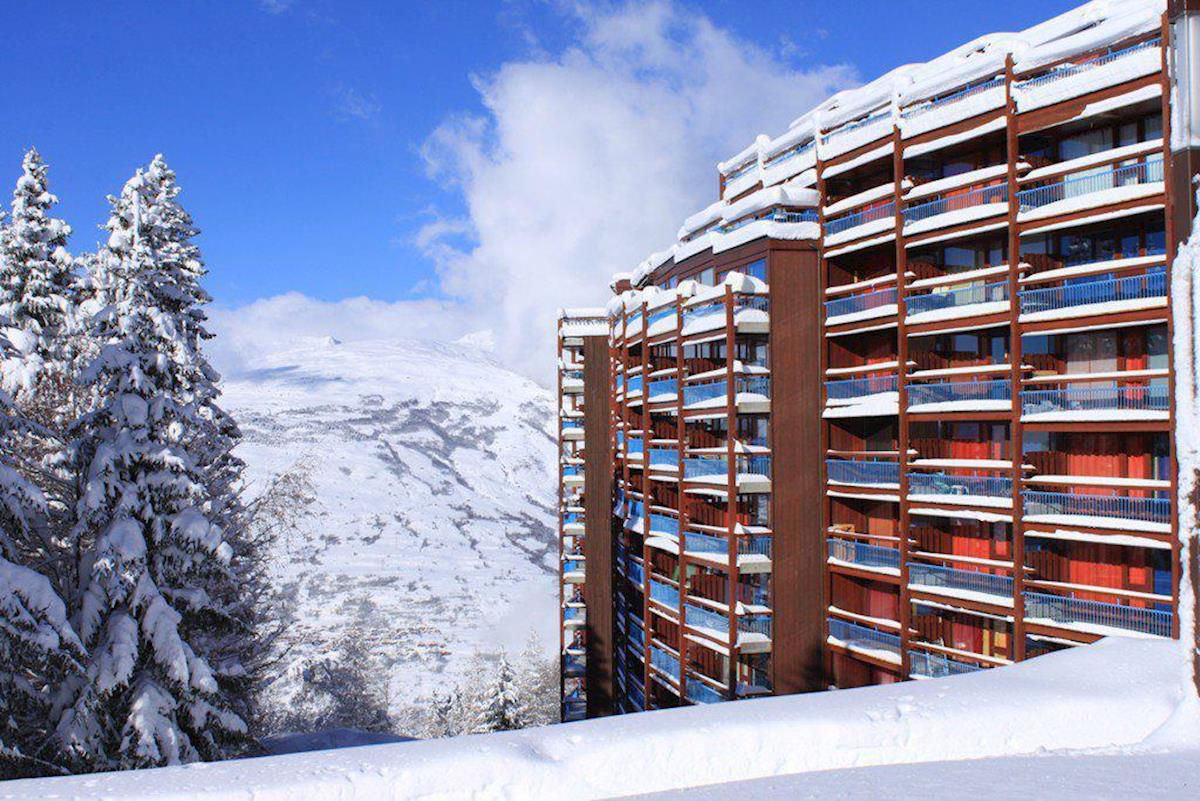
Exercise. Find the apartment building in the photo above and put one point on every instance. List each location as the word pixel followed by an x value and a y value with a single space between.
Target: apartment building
pixel 899 403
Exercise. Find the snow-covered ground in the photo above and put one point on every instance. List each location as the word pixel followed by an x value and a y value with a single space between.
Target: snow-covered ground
pixel 1035 729
pixel 432 471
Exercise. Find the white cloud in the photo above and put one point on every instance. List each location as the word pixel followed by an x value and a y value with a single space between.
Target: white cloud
pixel 271 325
pixel 583 164
pixel 275 6
pixel 353 103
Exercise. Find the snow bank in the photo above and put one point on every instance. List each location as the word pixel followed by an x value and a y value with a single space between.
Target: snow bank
pixel 1112 694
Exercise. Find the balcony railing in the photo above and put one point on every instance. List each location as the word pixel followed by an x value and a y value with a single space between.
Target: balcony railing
pixel 634 447
pixel 1068 70
pixel 667 386
pixel 934 576
pixel 740 303
pixel 1086 293
pixel 861 553
pixel 946 100
pixel 1143 172
pixel 573 613
pixel 850 388
pixel 956 298
pixel 634 572
pixel 664 456
pixel 635 320
pixel 871 119
pixel 572 375
pixel 573 566
pixel 999 389
pixel 942 484
pixel 778 215
pixel 1068 611
pixel 635 635
pixel 997 193
pixel 1149 510
pixel 1152 398
pixel 633 385
pixel 572 470
pixel 844 471
pixel 698 393
pixel 839 224
pixel 701 693
pixel 754 624
pixel 860 303
pixel 572 518
pixel 857 636
pixel 700 467
pixel 706 618
pixel 572 424
pixel 936 666
pixel 660 314
pixel 791 153
pixel 664 524
pixel 574 665
pixel 664 593
pixel 696 542
pixel 666 662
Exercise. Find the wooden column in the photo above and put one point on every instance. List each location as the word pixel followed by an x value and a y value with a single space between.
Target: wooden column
pixel 598 536
pixel 731 484
pixel 902 437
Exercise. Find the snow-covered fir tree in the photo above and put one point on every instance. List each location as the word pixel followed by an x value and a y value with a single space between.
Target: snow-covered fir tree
pixel 37 291
pixel 504 709
pixel 38 647
pixel 159 611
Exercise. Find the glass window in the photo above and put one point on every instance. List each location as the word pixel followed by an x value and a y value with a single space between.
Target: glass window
pixel 1156 347
pixel 1127 134
pixel 1156 240
pixel 757 269
pixel 707 277
pixel 1085 144
pixel 1152 126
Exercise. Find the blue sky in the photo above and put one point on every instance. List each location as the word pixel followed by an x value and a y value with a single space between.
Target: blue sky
pixel 434 169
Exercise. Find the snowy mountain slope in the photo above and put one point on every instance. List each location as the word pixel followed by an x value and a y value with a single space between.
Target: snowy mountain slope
pixel 431 473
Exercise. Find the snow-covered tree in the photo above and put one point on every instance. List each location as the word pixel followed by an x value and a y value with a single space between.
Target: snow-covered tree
pixel 345 690
pixel 504 709
pixel 159 611
pixel 38 647
pixel 37 291
pixel 538 684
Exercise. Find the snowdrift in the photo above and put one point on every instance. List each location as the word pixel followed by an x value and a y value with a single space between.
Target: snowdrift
pixel 1112 694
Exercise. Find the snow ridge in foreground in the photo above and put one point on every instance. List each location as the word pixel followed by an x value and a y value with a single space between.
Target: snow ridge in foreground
pixel 1114 694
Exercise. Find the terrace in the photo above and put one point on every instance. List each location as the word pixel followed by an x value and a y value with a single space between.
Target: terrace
pixel 956 207
pixel 1100 296
pixel 968 301
pixel 961 583
pixel 976 396
pixel 880 303
pixel 968 490
pixel 1100 511
pixel 863 473
pixel 861 554
pixel 855 637
pixel 1093 187
pixel 1122 401
pixel 1097 616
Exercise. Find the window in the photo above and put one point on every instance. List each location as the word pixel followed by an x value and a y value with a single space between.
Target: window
pixel 756 269
pixel 708 277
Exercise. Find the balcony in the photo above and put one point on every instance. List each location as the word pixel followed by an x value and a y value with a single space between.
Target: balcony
pixel 873 217
pixel 663 525
pixel 950 581
pixel 664 594
pixel 750 312
pixel 880 303
pixel 747 390
pixel 863 474
pixel 852 389
pixel 665 458
pixel 1102 511
pixel 967 490
pixel 861 554
pixel 701 618
pixel 968 396
pixel 574 665
pixel 1096 616
pixel 925 665
pixel 574 614
pixel 1091 188
pixel 1088 404
pixel 1071 80
pixel 955 303
pixel 700 468
pixel 659 315
pixel 1102 296
pixel 666 662
pixel 946 109
pixel 701 693
pixel 956 208
pixel 664 390
pixel 755 624
pixel 777 215
pixel 860 638
pixel 697 543
pixel 633 386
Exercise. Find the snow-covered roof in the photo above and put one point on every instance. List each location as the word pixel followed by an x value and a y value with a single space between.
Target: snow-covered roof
pixel 1080 30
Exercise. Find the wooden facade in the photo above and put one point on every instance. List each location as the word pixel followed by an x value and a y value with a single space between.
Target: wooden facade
pixel 922 424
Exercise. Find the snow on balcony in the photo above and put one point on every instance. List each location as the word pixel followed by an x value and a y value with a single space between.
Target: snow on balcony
pixel 966 585
pixel 1098 511
pixel 956 209
pixel 962 396
pixel 1088 75
pixel 869 305
pixel 1092 403
pixel 970 101
pixel 861 555
pixel 976 300
pixel 860 224
pixel 989 491
pixel 862 639
pixel 854 473
pixel 1089 298
pixel 854 135
pixel 1097 617
pixel 1092 188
